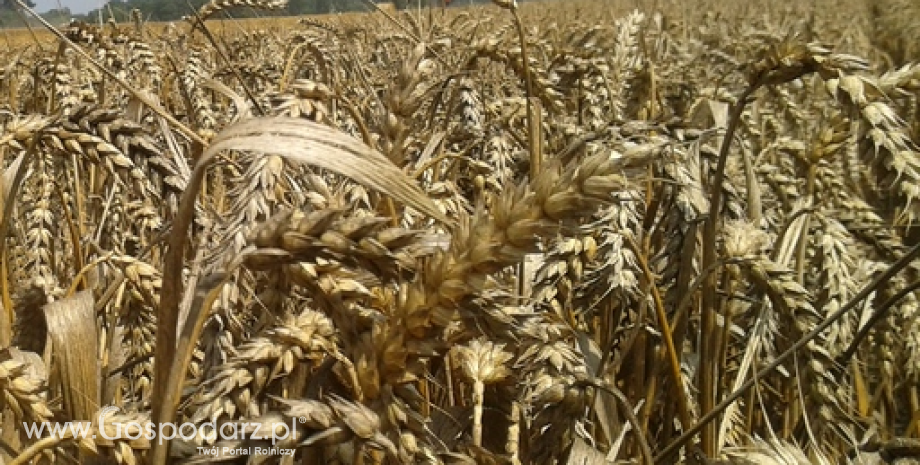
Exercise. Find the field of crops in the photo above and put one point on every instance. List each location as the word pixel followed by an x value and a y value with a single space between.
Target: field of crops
pixel 555 233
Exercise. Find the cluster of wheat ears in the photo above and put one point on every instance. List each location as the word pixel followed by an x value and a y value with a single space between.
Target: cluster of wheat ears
pixel 560 233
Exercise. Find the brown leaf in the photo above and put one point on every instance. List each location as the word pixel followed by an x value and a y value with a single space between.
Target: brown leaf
pixel 311 143
pixel 72 327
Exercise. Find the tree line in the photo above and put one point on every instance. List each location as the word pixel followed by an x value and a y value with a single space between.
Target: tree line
pixel 171 10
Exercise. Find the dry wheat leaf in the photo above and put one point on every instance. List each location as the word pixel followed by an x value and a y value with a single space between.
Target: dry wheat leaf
pixel 583 453
pixel 72 328
pixel 605 407
pixel 243 108
pixel 318 145
pixel 118 356
pixel 6 182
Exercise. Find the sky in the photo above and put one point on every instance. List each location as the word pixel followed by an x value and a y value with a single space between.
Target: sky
pixel 76 6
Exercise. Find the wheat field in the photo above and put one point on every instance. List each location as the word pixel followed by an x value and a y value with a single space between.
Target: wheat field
pixel 580 232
